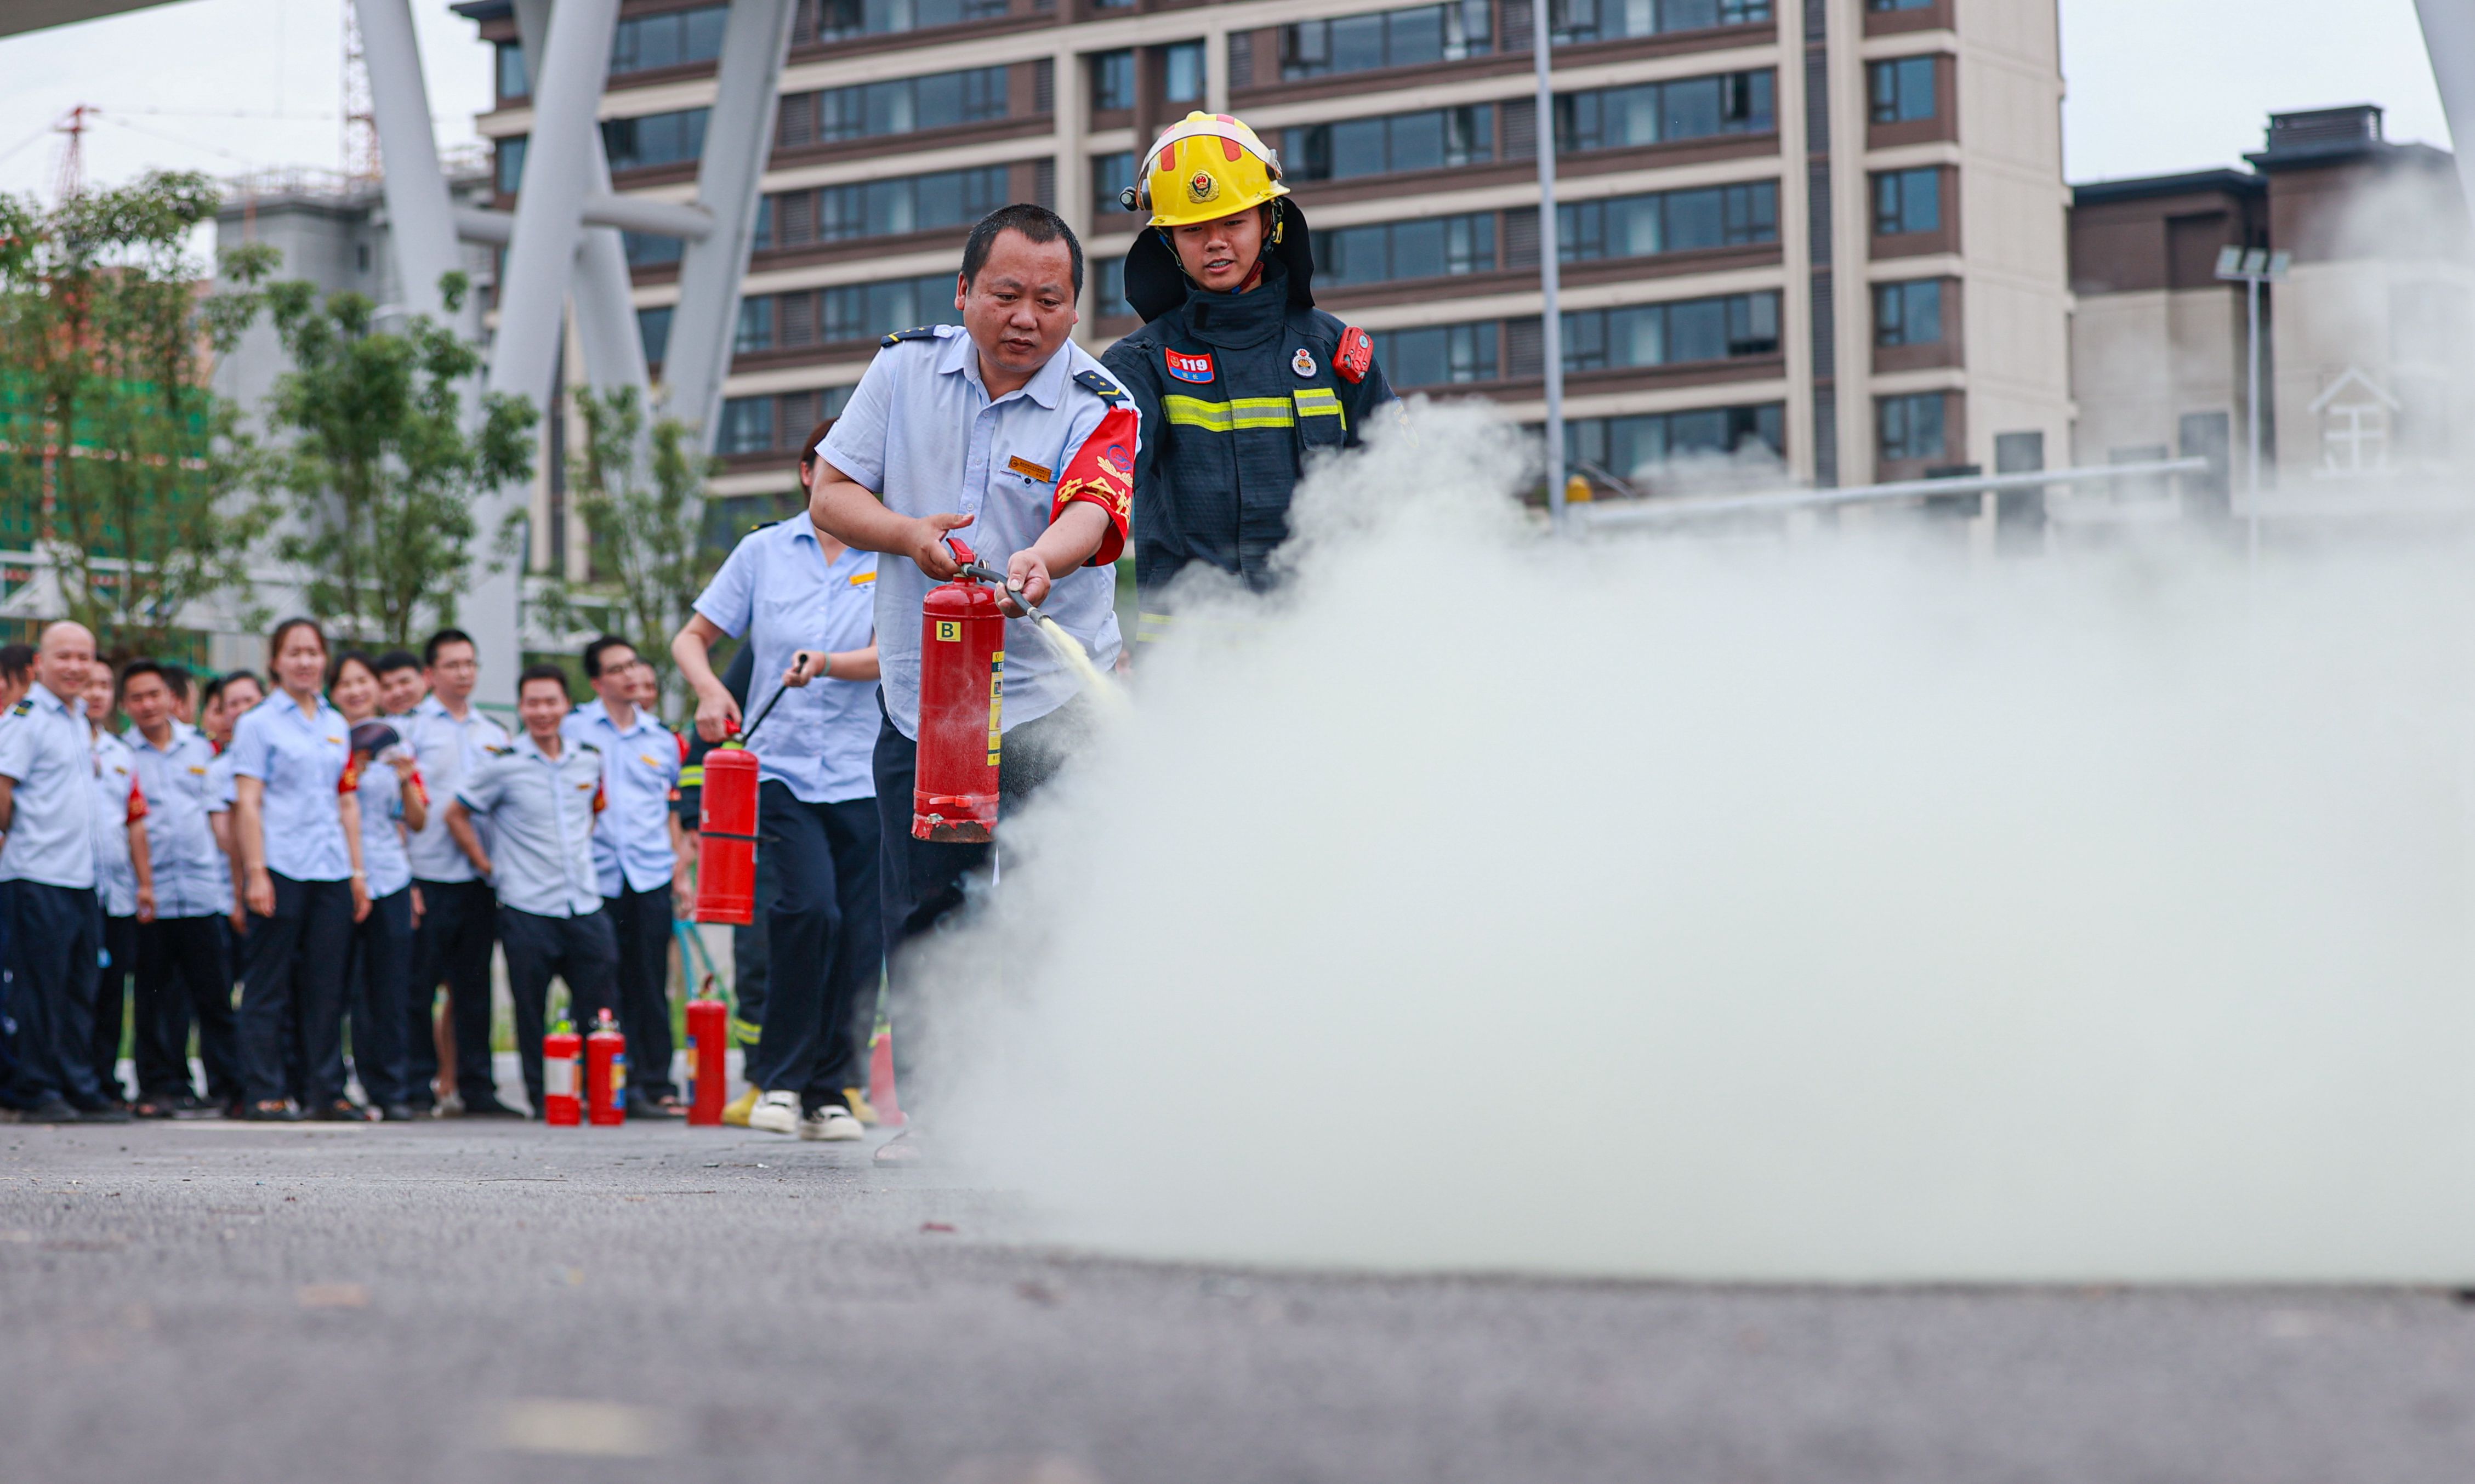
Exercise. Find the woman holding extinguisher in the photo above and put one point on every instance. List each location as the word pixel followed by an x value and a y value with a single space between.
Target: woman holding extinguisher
pixel 298 833
pixel 382 776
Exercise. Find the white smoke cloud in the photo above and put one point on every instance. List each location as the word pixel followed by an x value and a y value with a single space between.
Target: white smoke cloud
pixel 1835 911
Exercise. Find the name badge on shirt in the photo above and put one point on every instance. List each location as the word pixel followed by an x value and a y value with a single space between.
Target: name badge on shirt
pixel 1018 464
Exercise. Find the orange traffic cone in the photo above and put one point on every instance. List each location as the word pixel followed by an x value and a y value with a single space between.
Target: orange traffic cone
pixel 881 1080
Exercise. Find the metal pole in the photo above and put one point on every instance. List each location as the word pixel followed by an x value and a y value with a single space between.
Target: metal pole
pixel 2251 295
pixel 1551 323
pixel 420 224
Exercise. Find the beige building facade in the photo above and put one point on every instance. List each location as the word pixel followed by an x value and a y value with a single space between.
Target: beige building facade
pixel 1831 232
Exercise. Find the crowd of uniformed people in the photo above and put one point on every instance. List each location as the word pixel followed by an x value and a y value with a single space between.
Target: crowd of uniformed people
pixel 306 873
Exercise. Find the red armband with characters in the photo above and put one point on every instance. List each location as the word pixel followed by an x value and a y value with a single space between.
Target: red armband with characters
pixel 1102 473
pixel 350 779
pixel 136 802
pixel 1355 356
pixel 417 788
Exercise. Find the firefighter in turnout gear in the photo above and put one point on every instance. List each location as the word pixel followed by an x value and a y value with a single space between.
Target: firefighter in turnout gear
pixel 1237 375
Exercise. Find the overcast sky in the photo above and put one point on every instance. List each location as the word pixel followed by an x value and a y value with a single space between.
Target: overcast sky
pixel 226 85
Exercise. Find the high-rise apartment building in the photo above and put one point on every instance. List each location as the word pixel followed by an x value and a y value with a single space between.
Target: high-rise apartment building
pixel 1830 229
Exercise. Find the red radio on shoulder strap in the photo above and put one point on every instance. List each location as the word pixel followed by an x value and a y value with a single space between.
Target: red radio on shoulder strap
pixel 1357 354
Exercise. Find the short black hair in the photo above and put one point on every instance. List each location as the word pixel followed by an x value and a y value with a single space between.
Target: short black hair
pixel 16 661
pixel 223 683
pixel 176 676
pixel 441 639
pixel 351 656
pixel 395 659
pixel 138 667
pixel 1037 222
pixel 542 670
pixel 599 647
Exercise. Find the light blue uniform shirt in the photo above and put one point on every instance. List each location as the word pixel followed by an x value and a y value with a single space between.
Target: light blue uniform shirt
pixel 48 750
pixel 543 813
pixel 921 432
pixel 386 867
pixel 115 779
pixel 191 876
pixel 779 589
pixel 640 771
pixel 299 756
pixel 446 750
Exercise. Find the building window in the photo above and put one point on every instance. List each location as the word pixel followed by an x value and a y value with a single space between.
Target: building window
pixel 746 426
pixel 1182 73
pixel 1109 290
pixel 1900 91
pixel 1674 221
pixel 1113 81
pixel 1438 247
pixel 1431 139
pixel 675 38
pixel 1663 334
pixel 512 83
pixel 649 249
pixel 1630 448
pixel 760 237
pixel 883 209
pixel 509 160
pixel 1439 355
pixel 1111 176
pixel 1906 201
pixel 858 311
pixel 904 104
pixel 1908 313
pixel 1574 22
pixel 838 20
pixel 653 327
pixel 1694 108
pixel 653 139
pixel 1909 429
pixel 1898 5
pixel 1418 37
pixel 755 326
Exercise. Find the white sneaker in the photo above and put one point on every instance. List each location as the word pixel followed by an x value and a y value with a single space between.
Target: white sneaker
pixel 833 1123
pixel 776 1113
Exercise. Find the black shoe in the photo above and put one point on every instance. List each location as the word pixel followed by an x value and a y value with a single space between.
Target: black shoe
pixel 397 1113
pixel 105 1113
pixel 492 1108
pixel 271 1113
pixel 343 1110
pixel 54 1110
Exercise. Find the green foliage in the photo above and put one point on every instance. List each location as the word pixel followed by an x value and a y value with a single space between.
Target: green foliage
pixel 121 463
pixel 650 561
pixel 381 469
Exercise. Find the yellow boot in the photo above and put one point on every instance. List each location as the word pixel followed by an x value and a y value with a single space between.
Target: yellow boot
pixel 735 1112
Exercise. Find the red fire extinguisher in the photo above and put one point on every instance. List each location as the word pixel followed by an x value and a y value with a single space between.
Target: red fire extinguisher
pixel 606 1073
pixel 962 701
pixel 726 829
pixel 562 1075
pixel 708 1039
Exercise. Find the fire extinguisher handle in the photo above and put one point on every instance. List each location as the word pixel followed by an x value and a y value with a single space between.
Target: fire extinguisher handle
pixel 762 713
pixel 962 550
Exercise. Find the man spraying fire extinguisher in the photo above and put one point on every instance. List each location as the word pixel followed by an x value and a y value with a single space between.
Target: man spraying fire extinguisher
pixel 1005 427
pixel 1239 376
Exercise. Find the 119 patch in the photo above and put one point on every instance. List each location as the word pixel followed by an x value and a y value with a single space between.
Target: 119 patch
pixel 1189 368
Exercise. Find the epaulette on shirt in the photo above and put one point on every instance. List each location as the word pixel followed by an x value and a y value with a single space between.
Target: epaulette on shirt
pixel 915 332
pixel 500 751
pixel 1101 386
pixel 25 707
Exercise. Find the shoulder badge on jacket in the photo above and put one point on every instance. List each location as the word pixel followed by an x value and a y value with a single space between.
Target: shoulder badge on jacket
pixel 1101 386
pixel 1356 355
pixel 22 708
pixel 915 332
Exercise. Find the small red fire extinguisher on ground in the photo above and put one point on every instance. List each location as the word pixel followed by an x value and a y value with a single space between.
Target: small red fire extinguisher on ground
pixel 708 1041
pixel 606 1073
pixel 562 1075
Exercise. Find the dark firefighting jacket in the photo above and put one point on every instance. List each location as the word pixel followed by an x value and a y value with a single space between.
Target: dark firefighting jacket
pixel 1235 391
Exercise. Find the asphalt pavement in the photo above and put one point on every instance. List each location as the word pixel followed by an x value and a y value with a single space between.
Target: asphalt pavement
pixel 481 1302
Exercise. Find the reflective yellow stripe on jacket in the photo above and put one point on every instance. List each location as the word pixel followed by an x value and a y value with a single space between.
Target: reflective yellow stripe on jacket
pixel 1254 412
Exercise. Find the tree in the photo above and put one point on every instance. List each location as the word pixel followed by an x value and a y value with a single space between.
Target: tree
pixel 381 468
pixel 649 559
pixel 119 464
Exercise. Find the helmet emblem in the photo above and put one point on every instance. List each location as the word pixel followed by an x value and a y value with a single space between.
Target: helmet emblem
pixel 1201 186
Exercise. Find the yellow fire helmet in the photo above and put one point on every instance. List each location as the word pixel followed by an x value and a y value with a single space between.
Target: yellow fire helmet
pixel 1202 169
